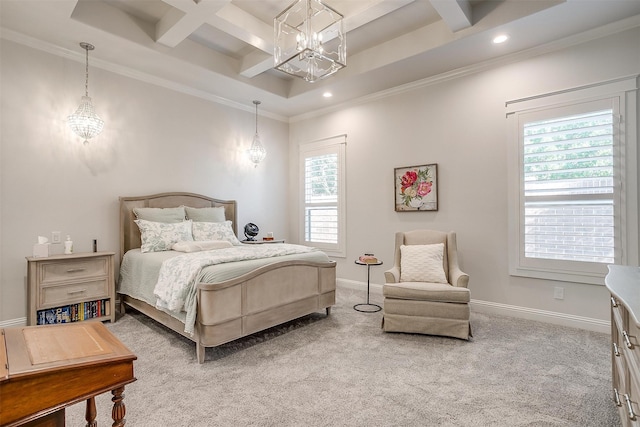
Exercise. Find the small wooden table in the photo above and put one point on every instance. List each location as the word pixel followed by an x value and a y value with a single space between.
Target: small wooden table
pixel 44 369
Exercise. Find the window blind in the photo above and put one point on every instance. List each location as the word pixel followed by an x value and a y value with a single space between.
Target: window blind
pixel 568 168
pixel 321 198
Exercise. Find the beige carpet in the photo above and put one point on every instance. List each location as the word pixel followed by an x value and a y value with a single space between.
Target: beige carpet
pixel 343 370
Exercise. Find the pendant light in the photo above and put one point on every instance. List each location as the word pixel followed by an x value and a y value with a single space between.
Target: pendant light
pixel 85 122
pixel 310 41
pixel 257 153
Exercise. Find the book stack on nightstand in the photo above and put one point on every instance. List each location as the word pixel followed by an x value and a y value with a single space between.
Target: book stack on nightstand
pixel 71 288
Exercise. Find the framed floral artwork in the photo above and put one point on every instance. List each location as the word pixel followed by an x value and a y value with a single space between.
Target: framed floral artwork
pixel 416 188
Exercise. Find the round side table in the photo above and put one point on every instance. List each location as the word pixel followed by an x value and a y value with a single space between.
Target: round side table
pixel 367 307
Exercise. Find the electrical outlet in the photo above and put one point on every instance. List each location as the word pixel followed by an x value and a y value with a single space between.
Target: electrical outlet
pixel 558 292
pixel 55 237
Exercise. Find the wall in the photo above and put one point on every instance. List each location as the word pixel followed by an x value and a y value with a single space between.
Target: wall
pixel 460 125
pixel 157 140
pixel 154 140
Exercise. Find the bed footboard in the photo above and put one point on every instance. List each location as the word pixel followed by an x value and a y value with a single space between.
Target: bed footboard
pixel 264 298
pixel 261 299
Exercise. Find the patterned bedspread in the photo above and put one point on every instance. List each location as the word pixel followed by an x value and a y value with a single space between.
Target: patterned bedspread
pixel 176 287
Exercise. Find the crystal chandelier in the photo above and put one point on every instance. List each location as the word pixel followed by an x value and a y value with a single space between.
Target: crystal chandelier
pixel 85 122
pixel 257 153
pixel 310 42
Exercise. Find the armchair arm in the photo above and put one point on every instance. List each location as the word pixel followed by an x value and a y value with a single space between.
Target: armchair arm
pixel 393 275
pixel 459 278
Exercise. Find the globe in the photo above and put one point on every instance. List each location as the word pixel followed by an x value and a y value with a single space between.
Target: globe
pixel 250 231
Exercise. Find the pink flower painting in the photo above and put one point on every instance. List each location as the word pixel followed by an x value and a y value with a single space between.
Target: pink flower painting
pixel 414 185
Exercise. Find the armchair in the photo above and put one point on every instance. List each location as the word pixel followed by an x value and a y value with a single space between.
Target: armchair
pixel 426 292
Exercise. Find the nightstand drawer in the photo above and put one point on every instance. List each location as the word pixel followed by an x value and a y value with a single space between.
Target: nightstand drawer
pixel 73 269
pixel 70 293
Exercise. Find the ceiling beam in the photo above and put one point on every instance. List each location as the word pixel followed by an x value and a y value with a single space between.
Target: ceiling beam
pixel 244 26
pixel 185 17
pixel 456 14
pixel 373 10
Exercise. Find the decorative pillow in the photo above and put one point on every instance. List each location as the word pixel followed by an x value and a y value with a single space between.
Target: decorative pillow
pixel 161 236
pixel 204 245
pixel 214 214
pixel 422 263
pixel 160 214
pixel 214 231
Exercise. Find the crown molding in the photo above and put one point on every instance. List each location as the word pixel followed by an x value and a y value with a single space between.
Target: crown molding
pixel 122 70
pixel 576 39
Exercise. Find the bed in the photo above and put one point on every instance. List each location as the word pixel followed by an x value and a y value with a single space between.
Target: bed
pixel 243 297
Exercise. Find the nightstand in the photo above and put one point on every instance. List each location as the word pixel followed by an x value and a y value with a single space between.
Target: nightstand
pixel 71 288
pixel 259 242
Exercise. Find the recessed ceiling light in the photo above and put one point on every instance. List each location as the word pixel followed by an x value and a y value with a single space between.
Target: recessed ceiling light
pixel 500 39
pixel 327 94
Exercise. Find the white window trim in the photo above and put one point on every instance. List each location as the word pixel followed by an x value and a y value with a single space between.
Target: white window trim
pixel 625 89
pixel 335 143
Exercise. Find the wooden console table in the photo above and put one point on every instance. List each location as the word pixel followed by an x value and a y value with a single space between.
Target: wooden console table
pixel 44 369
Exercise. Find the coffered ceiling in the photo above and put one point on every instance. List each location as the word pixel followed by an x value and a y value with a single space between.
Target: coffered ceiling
pixel 222 49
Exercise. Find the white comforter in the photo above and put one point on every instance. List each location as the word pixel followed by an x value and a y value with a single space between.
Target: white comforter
pixel 176 288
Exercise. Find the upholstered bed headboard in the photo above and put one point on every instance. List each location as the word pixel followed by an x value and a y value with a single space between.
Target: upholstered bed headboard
pixel 129 232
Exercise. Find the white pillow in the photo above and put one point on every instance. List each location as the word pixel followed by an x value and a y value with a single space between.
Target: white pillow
pixel 205 245
pixel 215 231
pixel 422 263
pixel 161 236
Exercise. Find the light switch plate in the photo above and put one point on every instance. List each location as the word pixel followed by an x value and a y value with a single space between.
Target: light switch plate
pixel 55 237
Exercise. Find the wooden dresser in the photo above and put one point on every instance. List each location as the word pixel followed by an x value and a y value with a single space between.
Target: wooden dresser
pixel 624 285
pixel 71 288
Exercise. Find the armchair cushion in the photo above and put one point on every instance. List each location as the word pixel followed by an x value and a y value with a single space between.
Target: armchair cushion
pixel 426 292
pixel 422 263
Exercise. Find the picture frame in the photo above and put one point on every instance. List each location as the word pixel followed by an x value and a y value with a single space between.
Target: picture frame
pixel 416 188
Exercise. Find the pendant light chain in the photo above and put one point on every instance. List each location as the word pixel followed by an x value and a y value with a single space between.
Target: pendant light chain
pixel 86 72
pixel 87 47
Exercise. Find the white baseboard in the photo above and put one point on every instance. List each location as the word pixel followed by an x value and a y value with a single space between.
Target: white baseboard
pixel 374 288
pixel 20 321
pixel 479 306
pixel 587 323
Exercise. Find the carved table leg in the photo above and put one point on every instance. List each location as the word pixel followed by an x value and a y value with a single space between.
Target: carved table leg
pixel 119 409
pixel 90 413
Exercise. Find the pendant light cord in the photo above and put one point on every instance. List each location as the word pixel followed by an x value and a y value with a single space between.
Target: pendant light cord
pixel 256 103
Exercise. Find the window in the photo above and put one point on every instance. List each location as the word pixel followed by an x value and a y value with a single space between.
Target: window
pixel 568 208
pixel 568 187
pixel 322 194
